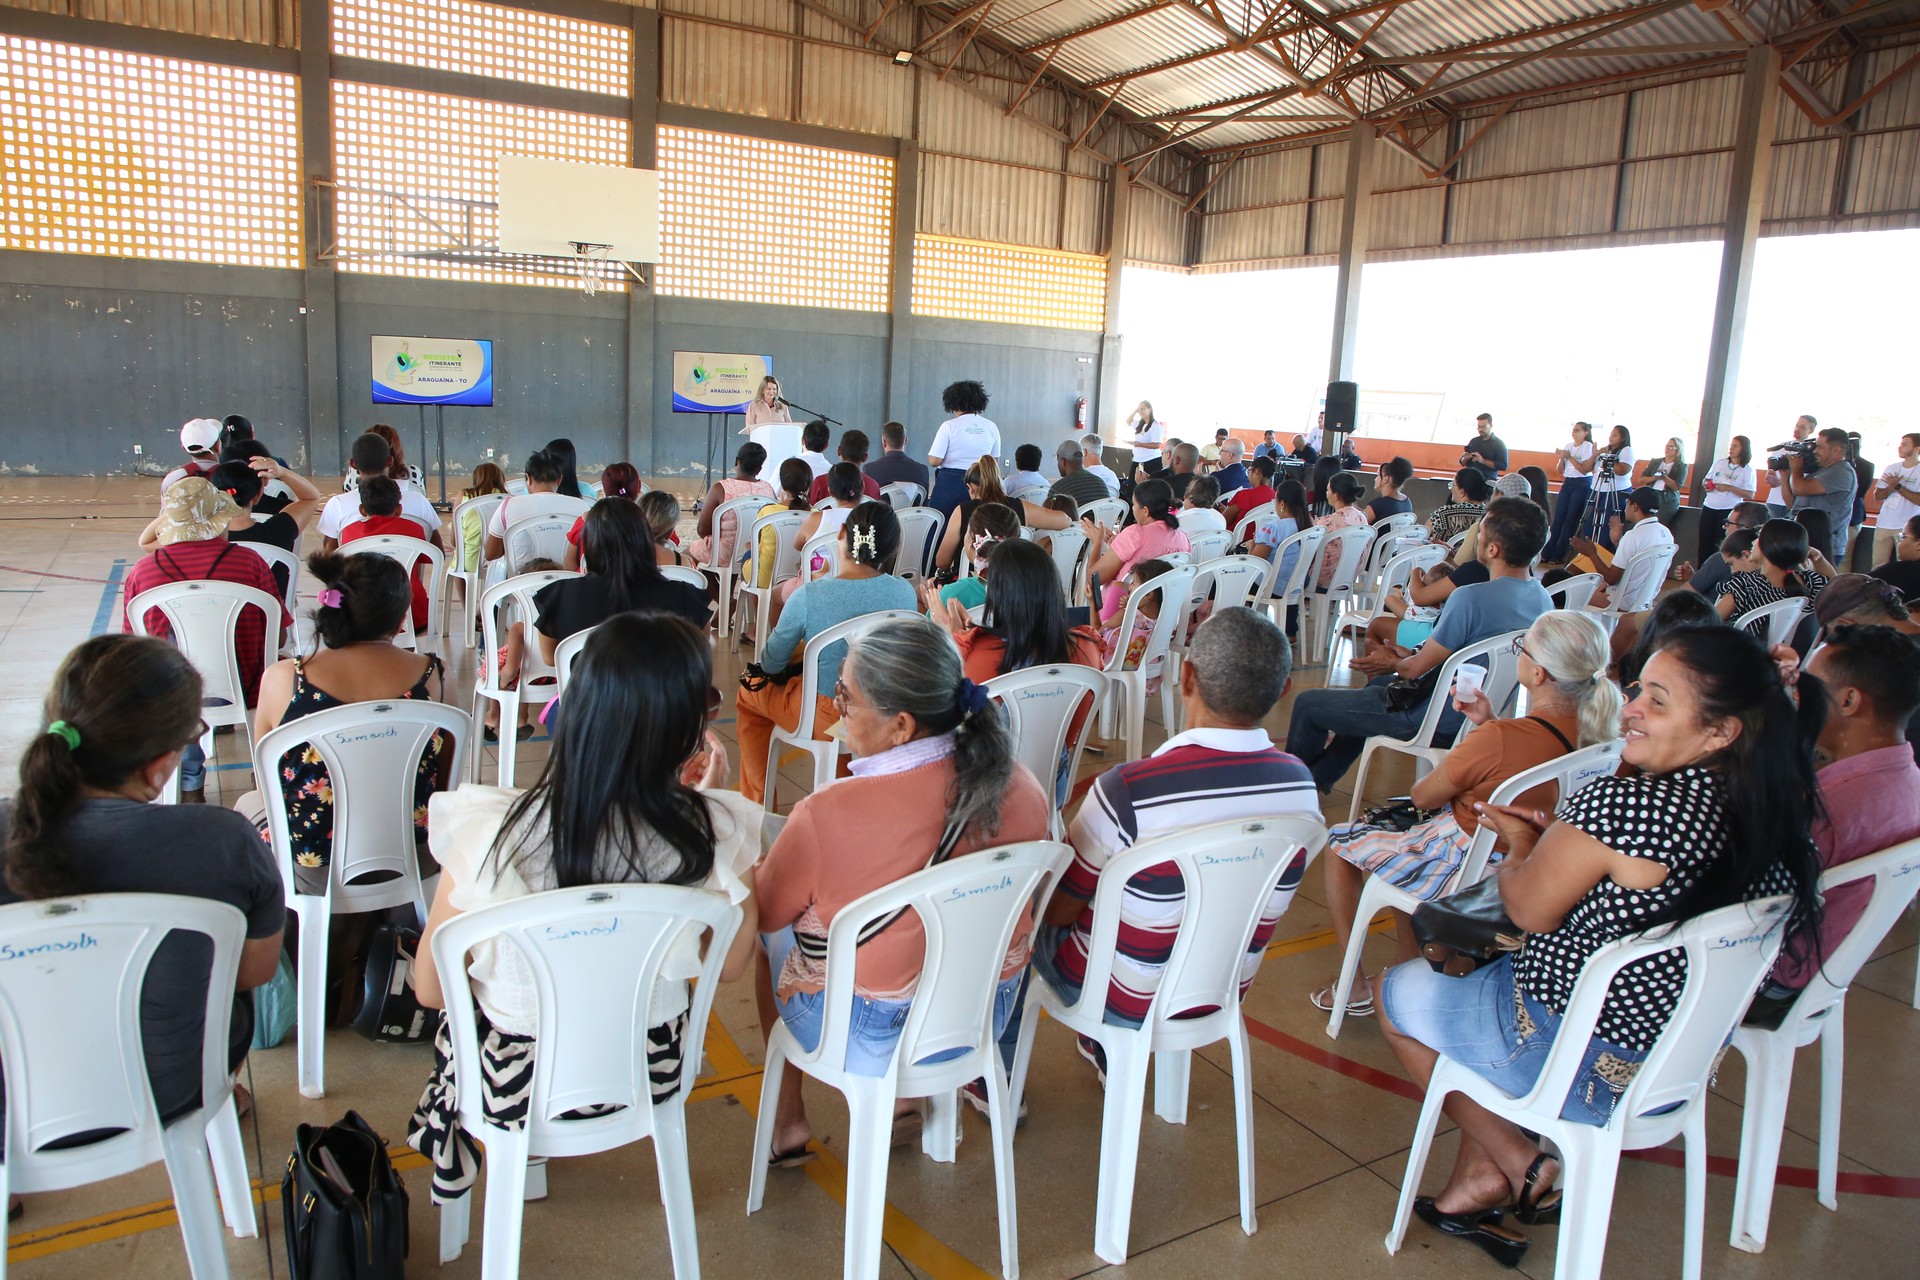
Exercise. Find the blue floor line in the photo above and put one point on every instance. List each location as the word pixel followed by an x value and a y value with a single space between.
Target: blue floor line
pixel 109 596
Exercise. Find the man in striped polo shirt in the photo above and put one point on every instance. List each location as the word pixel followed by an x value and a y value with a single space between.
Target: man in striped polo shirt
pixel 1224 767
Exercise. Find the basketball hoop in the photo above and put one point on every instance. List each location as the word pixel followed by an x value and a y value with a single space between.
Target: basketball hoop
pixel 592 260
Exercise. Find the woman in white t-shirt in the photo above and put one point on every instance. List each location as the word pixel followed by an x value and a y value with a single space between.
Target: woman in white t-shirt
pixel 1899 491
pixel 1574 463
pixel 1611 484
pixel 1729 483
pixel 961 441
pixel 1666 476
pixel 1146 434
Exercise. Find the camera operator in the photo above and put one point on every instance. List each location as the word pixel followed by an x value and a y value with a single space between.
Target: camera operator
pixel 1803 428
pixel 1612 479
pixel 1827 485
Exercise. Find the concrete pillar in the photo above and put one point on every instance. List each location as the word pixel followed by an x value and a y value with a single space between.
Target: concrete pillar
pixel 906 219
pixel 1354 234
pixel 1106 397
pixel 1746 197
pixel 322 429
pixel 636 426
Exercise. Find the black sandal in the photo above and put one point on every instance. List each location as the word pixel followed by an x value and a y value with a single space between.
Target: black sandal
pixel 1533 1206
pixel 1484 1227
pixel 792 1157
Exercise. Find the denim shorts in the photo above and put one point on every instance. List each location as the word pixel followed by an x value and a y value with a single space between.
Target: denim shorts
pixel 876 1025
pixel 1488 1025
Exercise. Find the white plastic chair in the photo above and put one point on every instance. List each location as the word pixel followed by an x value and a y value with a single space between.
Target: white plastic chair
pixel 902 494
pixel 470 576
pixel 1343 549
pixel 1818 1015
pixel 1392 524
pixel 822 545
pixel 1503 677
pixel 969 907
pixel 1237 581
pixel 1397 572
pixel 1457 541
pixel 826 755
pixel 202 615
pixel 1246 526
pixel 1644 574
pixel 1126 698
pixel 920 530
pixel 724 569
pixel 1575 592
pixel 71 1047
pixel 514 596
pixel 372 752
pixel 279 559
pixel 565 654
pixel 596 954
pixel 1225 583
pixel 1210 545
pixel 407 552
pixel 1278 596
pixel 1105 511
pixel 824 503
pixel 1068 547
pixel 1034 493
pixel 685 575
pixel 1230 870
pixel 785 564
pixel 1775 623
pixel 1728 953
pixel 541 537
pixel 1569 772
pixel 1040 704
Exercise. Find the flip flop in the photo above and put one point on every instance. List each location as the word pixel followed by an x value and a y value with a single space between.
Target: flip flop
pixel 906 1128
pixel 792 1157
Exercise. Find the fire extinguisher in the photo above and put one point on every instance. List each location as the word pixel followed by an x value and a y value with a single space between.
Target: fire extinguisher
pixel 1080 413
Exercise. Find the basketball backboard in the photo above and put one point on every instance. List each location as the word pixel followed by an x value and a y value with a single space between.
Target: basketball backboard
pixel 553 206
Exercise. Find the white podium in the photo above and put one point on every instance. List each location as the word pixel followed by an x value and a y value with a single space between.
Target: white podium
pixel 781 440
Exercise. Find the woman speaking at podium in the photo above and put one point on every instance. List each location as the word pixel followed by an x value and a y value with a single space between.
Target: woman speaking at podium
pixel 768 406
pixel 961 441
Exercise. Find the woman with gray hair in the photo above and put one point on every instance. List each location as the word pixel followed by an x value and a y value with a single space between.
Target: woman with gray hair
pixel 934 777
pixel 1571 703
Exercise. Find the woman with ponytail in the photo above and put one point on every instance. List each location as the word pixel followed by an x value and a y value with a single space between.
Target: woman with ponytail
pixel 1571 703
pixel 1780 575
pixel 1154 532
pixel 1716 810
pixel 934 776
pixel 120 711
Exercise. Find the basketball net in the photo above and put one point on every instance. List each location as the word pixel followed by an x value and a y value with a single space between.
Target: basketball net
pixel 591 260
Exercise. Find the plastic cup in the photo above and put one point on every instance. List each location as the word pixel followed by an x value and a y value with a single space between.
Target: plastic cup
pixel 1468 681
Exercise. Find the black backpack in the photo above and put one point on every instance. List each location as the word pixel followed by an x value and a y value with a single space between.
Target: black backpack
pixel 344 1207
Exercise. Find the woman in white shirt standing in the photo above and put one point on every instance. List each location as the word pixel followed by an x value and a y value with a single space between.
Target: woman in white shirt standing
pixel 1729 483
pixel 961 441
pixel 1666 476
pixel 1899 491
pixel 1612 481
pixel 1574 462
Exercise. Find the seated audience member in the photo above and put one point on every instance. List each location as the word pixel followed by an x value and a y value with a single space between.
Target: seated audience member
pixel 245 483
pixel 1197 514
pixel 933 769
pixel 990 524
pixel 1259 491
pixel 275 496
pixel 662 512
pixel 1331 726
pixel 1676 611
pixel 717 546
pixel 1183 465
pixel 542 498
pixel 1268 447
pixel 380 517
pixel 1343 494
pixel 488 479
pixel 200 437
pixel 118 718
pixel 1778 575
pixel 843 480
pixel 1291 513
pixel 569 458
pixel 1223 767
pixel 813 447
pixel 1467 501
pixel 1713 570
pixel 895 465
pixel 1096 466
pixel 983 485
pixel 1075 481
pixel 1735 803
pixel 613 806
pixel 190 545
pixel 1903 571
pixel 853 448
pixel 1135 641
pixel 1154 532
pixel 770 691
pixel 1025 624
pixel 399 470
pixel 1869 788
pixel 363 605
pixel 370 457
pixel 1859 599
pixel 1389 482
pixel 1644 534
pixel 1570 704
pixel 1231 474
pixel 619 480
pixel 792 497
pixel 1026 469
pixel 1210 453
pixel 1538 489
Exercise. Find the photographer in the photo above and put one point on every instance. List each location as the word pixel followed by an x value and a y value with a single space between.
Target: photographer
pixel 1612 480
pixel 1825 485
pixel 1803 428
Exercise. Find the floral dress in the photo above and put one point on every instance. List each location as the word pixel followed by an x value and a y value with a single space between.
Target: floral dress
pixel 309 791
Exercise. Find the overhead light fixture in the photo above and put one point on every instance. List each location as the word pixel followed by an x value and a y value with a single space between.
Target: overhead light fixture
pixel 903 57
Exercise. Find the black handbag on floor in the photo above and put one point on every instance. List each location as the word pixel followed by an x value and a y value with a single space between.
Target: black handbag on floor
pixel 1462 931
pixel 344 1207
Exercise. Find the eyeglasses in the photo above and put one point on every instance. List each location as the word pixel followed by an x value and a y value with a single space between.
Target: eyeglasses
pixel 1519 646
pixel 199 735
pixel 842 703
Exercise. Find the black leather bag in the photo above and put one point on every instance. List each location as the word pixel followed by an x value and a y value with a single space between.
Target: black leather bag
pixel 1462 931
pixel 344 1207
pixel 1398 814
pixel 1412 695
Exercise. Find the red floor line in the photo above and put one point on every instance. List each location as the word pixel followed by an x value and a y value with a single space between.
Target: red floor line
pixel 1865 1184
pixel 42 573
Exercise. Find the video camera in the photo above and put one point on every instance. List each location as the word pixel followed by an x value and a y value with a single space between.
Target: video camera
pixel 1778 455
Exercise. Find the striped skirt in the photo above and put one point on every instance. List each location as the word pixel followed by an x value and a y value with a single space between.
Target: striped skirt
pixel 1419 860
pixel 506 1087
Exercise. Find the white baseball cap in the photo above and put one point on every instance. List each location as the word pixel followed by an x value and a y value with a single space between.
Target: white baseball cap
pixel 200 434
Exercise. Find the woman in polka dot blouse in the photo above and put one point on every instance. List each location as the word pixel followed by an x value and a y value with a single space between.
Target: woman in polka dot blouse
pixel 1715 811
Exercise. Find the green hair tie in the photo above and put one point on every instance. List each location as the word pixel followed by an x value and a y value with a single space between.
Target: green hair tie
pixel 66 732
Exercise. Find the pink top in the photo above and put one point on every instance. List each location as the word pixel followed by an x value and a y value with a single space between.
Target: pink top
pixel 1354 517
pixel 1133 544
pixel 734 487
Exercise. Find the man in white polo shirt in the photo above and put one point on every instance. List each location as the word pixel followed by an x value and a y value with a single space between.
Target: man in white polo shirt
pixel 1635 586
pixel 1096 467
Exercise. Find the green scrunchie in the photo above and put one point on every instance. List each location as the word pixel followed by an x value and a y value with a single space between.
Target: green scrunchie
pixel 66 732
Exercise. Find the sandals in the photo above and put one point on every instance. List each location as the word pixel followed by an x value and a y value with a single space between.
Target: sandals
pixel 1357 1007
pixel 792 1157
pixel 1538 1207
pixel 1484 1228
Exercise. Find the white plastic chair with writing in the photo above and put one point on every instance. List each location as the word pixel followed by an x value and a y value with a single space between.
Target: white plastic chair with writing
pixel 969 908
pixel 920 529
pixel 1068 547
pixel 280 560
pixel 1246 526
pixel 1034 493
pixel 1638 587
pixel 1105 511
pixel 542 537
pixel 1575 592
pixel 407 553
pixel 504 604
pixel 372 753
pixel 1127 677
pixel 1569 773
pixel 1231 578
pixel 1818 1016
pixel 1211 545
pixel 902 494
pixel 1040 704
pixel 825 754
pixel 202 616
pixel 1230 871
pixel 1287 582
pixel 596 955
pixel 1728 952
pixel 1343 549
pixel 777 564
pixel 1774 623
pixel 470 574
pixel 822 545
pixel 72 1049
pixel 1396 573
pixel 725 569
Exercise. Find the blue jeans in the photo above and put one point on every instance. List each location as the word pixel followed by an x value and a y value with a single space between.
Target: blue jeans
pixel 876 1026
pixel 1567 510
pixel 1486 1024
pixel 1046 942
pixel 193 767
pixel 1330 727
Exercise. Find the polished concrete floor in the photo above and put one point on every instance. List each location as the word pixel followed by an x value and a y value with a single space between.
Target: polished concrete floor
pixel 1333 1118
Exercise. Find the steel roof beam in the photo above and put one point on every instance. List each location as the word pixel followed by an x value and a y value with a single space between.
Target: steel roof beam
pixel 1092 28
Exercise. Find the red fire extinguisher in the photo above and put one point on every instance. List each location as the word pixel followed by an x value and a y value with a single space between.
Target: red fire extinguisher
pixel 1080 413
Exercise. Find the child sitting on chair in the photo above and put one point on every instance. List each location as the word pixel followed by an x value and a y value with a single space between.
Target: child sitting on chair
pixel 990 524
pixel 380 514
pixel 1144 618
